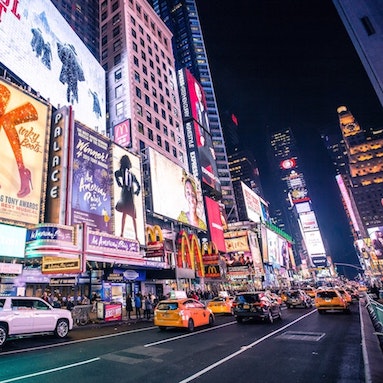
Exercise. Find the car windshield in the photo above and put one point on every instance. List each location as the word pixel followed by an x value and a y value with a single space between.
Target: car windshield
pixel 293 294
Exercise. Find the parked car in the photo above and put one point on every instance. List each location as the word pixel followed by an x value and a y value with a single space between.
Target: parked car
pixel 255 305
pixel 221 305
pixel 330 299
pixel 182 312
pixel 29 316
pixel 298 298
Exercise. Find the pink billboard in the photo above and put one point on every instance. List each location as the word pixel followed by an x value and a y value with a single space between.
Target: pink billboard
pixel 24 123
pixel 215 223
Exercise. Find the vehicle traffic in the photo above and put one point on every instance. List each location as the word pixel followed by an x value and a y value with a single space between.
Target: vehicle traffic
pixel 221 305
pixel 330 299
pixel 182 312
pixel 255 305
pixel 30 316
pixel 298 298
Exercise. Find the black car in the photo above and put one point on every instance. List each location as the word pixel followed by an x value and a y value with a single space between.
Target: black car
pixel 298 298
pixel 255 305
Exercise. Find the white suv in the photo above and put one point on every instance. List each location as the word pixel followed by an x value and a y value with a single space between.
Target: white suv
pixel 29 315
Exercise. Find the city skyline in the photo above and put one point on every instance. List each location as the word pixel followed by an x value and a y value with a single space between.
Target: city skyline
pixel 290 65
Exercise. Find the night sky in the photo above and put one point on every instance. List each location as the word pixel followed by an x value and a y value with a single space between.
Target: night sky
pixel 290 63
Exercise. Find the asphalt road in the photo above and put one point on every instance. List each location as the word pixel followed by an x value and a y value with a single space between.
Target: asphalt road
pixel 303 347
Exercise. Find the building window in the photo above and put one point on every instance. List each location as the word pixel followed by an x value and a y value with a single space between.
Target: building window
pixel 117 75
pixel 137 76
pixel 157 123
pixel 120 109
pixel 117 45
pixel 139 109
pixel 135 47
pixel 166 132
pixel 138 92
pixel 174 150
pixel 150 134
pixel 159 140
pixel 115 6
pixel 144 69
pixel 117 59
pixel 154 92
pixel 116 19
pixel 141 127
pixel 116 31
pixel 135 60
pixel 146 84
pixel 147 100
pixel 148 117
pixel 133 20
pixel 104 16
pixel 118 91
pixel 368 26
pixel 155 107
pixel 104 40
pixel 134 34
pixel 104 54
pixel 167 146
pixel 141 29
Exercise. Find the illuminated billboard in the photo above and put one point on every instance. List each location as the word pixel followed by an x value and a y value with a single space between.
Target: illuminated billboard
pixel 297 187
pixel 40 47
pixel 314 243
pixel 199 142
pixel 308 221
pixel 122 133
pixel 89 180
pixel 128 195
pixel 215 223
pixel 178 195
pixel 24 132
pixel 252 203
pixel 12 241
pixel 376 236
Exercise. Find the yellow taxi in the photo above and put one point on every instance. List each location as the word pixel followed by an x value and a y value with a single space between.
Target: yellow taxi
pixel 182 312
pixel 345 294
pixel 330 299
pixel 221 305
pixel 310 291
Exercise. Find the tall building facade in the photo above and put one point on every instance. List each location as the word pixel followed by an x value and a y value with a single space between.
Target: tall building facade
pixel 296 205
pixel 182 19
pixel 83 17
pixel 363 21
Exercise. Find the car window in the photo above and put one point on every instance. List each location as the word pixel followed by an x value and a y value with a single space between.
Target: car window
pixel 327 294
pixel 2 303
pixel 22 304
pixel 39 305
pixel 248 298
pixel 167 306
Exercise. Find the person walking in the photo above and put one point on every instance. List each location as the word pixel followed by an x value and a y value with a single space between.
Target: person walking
pixel 129 306
pixel 138 305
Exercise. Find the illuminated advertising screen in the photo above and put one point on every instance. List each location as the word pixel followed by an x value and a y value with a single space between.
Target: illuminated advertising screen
pixel 24 134
pixel 128 195
pixel 252 203
pixel 308 221
pixel 215 223
pixel 283 253
pixel 303 207
pixel 55 207
pixel 265 254
pixel 297 187
pixel 90 195
pixel 255 252
pixel 123 133
pixel 178 195
pixel 39 46
pixel 376 236
pixel 272 247
pixel 12 241
pixel 197 131
pixel 314 242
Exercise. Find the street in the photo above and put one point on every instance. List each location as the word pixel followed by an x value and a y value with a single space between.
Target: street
pixel 303 347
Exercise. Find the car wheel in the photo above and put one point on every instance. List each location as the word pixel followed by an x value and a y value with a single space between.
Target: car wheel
pixel 321 311
pixel 239 319
pixel 211 320
pixel 3 334
pixel 162 328
pixel 191 325
pixel 62 328
pixel 270 317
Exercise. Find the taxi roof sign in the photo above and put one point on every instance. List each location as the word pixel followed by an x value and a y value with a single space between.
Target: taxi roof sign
pixel 177 294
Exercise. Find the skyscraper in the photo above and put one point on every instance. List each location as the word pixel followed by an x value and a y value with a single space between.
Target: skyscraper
pixel 181 17
pixel 363 21
pixel 83 17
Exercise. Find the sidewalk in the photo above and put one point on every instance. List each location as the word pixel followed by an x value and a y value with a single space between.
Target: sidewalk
pixel 372 352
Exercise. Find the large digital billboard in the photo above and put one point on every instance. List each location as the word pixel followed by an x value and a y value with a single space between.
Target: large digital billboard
pixel 215 223
pixel 40 47
pixel 128 195
pixel 376 236
pixel 197 130
pixel 176 194
pixel 308 221
pixel 89 181
pixel 314 243
pixel 24 132
pixel 252 203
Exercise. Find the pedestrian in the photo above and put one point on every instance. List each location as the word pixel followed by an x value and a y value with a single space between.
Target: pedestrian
pixel 129 305
pixel 148 307
pixel 138 305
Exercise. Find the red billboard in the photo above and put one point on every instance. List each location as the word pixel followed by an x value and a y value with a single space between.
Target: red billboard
pixel 215 223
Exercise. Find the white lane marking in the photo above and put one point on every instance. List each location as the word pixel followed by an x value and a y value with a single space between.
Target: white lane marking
pixel 186 335
pixel 76 341
pixel 242 349
pixel 50 371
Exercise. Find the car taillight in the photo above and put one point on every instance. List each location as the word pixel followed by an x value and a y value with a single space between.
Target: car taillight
pixel 234 304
